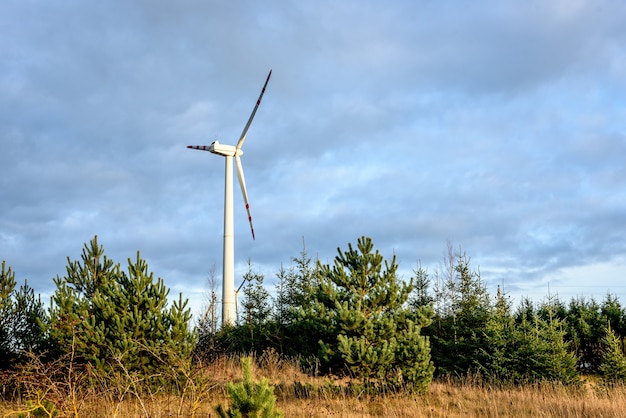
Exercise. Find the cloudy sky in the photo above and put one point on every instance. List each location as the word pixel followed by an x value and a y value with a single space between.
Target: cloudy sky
pixel 497 126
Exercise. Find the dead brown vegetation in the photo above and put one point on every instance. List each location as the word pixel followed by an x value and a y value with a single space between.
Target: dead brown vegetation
pixel 62 389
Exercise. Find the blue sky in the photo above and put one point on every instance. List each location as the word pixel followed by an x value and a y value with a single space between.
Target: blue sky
pixel 497 126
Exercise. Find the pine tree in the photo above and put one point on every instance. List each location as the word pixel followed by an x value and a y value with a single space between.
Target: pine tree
pixel 111 317
pixel 7 287
pixel 22 320
pixel 363 325
pixel 72 311
pixel 30 321
pixel 249 399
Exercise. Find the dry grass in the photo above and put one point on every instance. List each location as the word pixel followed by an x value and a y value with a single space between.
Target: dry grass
pixel 453 400
pixel 310 396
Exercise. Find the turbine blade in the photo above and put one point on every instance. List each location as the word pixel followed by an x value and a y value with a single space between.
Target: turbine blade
pixel 258 102
pixel 242 183
pixel 199 147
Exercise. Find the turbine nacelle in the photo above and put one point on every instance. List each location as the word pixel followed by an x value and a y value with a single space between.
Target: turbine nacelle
pixel 225 150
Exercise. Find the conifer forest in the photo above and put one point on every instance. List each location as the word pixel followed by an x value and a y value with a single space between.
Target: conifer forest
pixel 113 339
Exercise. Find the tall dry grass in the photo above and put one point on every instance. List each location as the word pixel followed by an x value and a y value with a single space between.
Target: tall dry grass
pixel 67 390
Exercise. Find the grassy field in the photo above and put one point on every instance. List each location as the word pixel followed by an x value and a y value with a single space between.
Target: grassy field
pixel 314 397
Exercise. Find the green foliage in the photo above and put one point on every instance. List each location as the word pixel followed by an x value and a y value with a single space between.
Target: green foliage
pixel 7 285
pixel 39 408
pixel 295 289
pixel 255 329
pixel 256 304
pixel 613 314
pixel 613 368
pixel 7 288
pixel 473 334
pixel 532 349
pixel 421 284
pixel 585 326
pixel 268 323
pixel 22 318
pixel 111 317
pixel 462 313
pixel 359 316
pixel 354 318
pixel 498 356
pixel 249 399
pixel 543 353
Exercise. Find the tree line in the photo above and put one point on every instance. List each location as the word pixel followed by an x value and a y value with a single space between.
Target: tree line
pixel 355 317
pixel 321 312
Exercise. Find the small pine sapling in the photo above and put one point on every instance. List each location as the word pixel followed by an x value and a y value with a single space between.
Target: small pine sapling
pixel 249 399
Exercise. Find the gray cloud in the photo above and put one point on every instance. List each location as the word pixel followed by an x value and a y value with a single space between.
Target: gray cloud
pixel 497 126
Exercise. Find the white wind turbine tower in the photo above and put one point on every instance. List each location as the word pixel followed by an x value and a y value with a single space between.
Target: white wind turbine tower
pixel 228 152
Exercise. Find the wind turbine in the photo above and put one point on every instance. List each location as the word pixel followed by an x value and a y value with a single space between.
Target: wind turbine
pixel 228 152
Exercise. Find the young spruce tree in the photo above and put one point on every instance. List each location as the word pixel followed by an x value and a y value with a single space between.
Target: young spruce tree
pixel 613 364
pixel 541 351
pixel 463 312
pixel 294 293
